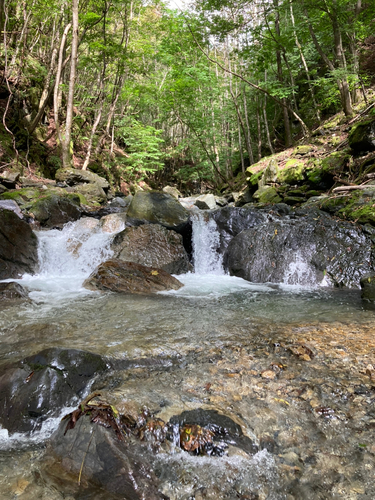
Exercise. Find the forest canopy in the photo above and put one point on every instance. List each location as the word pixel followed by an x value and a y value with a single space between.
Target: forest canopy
pixel 133 89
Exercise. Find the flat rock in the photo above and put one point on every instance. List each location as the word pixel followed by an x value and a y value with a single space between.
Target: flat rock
pixel 152 245
pixel 12 291
pixel 128 277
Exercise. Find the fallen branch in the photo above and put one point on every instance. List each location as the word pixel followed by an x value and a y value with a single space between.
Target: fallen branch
pixel 340 189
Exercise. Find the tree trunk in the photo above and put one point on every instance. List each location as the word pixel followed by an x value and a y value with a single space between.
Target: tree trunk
pixel 65 143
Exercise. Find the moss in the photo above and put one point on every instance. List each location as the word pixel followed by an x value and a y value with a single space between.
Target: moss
pixel 334 204
pixel 334 162
pixel 267 194
pixel 254 179
pixel 292 200
pixel 292 173
pixel 21 196
pixel 357 132
pixel 302 150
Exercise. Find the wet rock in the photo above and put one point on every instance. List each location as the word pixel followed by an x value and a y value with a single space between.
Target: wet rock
pixel 157 208
pixel 368 287
pixel 11 205
pixel 362 136
pixel 302 251
pixel 120 202
pixel 38 387
pixel 206 202
pixel 12 292
pixel 222 430
pixel 100 458
pixel 152 245
pixel 232 220
pixel 55 210
pixel 128 277
pixel 113 223
pixel 18 246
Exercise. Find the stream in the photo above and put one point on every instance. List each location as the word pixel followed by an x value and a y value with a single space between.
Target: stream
pixel 289 364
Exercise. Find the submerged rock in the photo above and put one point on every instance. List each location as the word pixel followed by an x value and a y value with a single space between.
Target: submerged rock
pixel 39 387
pixel 12 291
pixel 152 245
pixel 18 246
pixel 157 208
pixel 302 251
pixel 128 277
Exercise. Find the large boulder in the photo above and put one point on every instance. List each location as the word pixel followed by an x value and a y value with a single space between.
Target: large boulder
pixel 304 251
pixel 128 277
pixel 152 245
pixel 157 208
pixel 55 210
pixel 41 385
pixel 232 220
pixel 11 205
pixel 362 136
pixel 18 246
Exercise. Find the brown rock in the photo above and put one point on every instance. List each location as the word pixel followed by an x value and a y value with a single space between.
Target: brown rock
pixel 269 374
pixel 128 277
pixel 152 245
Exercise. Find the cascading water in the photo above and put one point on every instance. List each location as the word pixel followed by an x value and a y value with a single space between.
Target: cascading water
pixel 206 241
pixel 67 257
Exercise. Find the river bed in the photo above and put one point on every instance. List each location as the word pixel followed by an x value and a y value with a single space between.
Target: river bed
pixel 290 365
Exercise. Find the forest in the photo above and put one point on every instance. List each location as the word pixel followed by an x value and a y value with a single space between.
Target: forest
pixel 144 91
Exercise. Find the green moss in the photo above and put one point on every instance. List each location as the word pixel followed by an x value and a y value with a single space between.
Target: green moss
pixel 334 204
pixel 21 196
pixel 254 179
pixel 267 194
pixel 302 150
pixel 357 132
pixel 292 173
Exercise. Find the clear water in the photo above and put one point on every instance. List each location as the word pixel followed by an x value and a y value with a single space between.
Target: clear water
pixel 224 333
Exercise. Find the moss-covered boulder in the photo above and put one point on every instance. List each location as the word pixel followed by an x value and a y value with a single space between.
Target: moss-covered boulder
pixel 362 136
pixel 360 206
pixel 73 176
pixel 157 208
pixel 293 172
pixel 267 194
pixel 23 197
pixel 55 210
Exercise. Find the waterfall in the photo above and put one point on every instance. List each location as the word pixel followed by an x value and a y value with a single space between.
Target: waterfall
pixel 206 241
pixel 69 256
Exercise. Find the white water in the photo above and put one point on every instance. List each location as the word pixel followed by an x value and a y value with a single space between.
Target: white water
pixel 206 241
pixel 67 258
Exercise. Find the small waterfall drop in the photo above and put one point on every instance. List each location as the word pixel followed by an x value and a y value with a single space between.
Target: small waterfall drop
pixel 67 257
pixel 206 241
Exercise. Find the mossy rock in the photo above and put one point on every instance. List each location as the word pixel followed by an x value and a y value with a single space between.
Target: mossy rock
pixel 254 179
pixel 91 192
pixel 335 203
pixel 267 194
pixel 296 192
pixel 362 136
pixel 302 150
pixel 293 200
pixel 269 173
pixel 293 173
pixel 360 207
pixel 55 210
pixel 22 196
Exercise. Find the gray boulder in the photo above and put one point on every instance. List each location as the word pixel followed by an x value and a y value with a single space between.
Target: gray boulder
pixel 304 251
pixel 157 208
pixel 173 191
pixel 18 246
pixel 152 245
pixel 115 275
pixel 73 176
pixel 41 385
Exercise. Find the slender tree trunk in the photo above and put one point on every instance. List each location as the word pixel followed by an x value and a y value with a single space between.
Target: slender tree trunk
pixel 66 146
pixel 288 134
pixel 259 129
pixel 56 104
pixel 249 145
pixel 304 63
